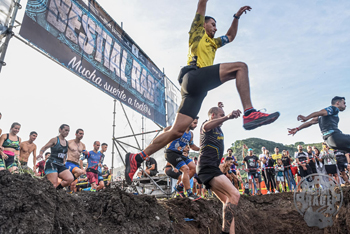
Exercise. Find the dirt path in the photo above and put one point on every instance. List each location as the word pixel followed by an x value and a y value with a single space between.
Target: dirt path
pixel 30 205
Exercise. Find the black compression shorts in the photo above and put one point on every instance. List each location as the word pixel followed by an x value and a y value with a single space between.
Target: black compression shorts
pixel 53 166
pixel 195 84
pixel 339 141
pixel 207 173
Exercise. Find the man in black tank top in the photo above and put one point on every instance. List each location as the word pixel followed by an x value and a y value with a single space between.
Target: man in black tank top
pixel 54 166
pixel 328 120
pixel 312 162
pixel 212 147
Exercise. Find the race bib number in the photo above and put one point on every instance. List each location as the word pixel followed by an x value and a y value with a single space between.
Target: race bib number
pixel 60 155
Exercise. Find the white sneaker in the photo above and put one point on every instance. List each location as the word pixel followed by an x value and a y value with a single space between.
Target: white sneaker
pixel 268 192
pixel 276 191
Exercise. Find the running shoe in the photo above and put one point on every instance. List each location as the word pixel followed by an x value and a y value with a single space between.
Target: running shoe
pixel 179 191
pixel 277 191
pixel 268 192
pixel 194 197
pixel 131 167
pixel 256 119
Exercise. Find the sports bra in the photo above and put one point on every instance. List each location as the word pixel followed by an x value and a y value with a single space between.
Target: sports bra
pixel 11 144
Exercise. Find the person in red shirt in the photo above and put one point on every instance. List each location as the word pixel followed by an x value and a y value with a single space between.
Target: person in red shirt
pixel 41 165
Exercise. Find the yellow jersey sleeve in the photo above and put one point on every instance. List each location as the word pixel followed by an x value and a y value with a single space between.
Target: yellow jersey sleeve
pixel 202 48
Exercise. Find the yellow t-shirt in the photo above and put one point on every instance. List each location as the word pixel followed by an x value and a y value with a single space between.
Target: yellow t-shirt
pixel 202 48
pixel 276 156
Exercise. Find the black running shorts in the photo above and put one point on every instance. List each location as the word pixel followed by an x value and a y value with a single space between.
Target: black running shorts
pixel 176 159
pixel 196 82
pixel 207 173
pixel 53 166
pixel 339 141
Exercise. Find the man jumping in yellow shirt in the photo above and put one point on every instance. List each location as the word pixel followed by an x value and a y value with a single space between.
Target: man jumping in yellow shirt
pixel 201 76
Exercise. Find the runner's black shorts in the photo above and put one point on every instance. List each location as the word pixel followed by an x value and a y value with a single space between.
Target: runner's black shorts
pixel 171 173
pixel 176 159
pixel 207 173
pixel 195 84
pixel 197 178
pixel 331 169
pixel 339 141
pixel 342 163
pixel 53 166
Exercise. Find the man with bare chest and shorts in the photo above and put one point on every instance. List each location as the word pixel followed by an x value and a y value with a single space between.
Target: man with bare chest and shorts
pixel 75 148
pixel 26 148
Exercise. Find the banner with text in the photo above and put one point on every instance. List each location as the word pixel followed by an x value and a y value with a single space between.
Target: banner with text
pixel 81 36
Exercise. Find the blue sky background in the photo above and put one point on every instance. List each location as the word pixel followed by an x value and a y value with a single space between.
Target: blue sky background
pixel 298 53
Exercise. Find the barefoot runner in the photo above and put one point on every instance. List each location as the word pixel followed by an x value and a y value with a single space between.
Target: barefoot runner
pixel 9 148
pixel 54 166
pixel 212 148
pixel 26 148
pixel 198 78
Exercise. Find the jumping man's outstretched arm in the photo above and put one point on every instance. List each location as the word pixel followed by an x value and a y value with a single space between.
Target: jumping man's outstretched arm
pixel 202 5
pixel 232 31
pixel 322 112
pixel 211 124
pixel 293 131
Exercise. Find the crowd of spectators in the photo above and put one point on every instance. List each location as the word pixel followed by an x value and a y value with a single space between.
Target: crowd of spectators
pixel 280 172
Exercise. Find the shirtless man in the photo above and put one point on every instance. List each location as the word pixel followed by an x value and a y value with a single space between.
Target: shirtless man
pixel 75 148
pixel 26 148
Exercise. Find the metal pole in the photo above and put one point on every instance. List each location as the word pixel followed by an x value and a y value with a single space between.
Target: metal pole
pixel 9 33
pixel 142 139
pixel 115 101
pixel 132 130
pixel 142 130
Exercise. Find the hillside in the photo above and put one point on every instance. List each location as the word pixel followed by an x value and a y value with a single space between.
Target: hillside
pixel 257 143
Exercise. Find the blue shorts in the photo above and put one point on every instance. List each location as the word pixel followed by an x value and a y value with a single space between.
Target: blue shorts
pixel 71 166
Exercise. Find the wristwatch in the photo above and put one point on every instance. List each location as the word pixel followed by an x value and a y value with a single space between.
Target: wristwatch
pixel 235 16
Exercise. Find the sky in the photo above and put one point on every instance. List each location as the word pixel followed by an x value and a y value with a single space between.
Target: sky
pixel 298 54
